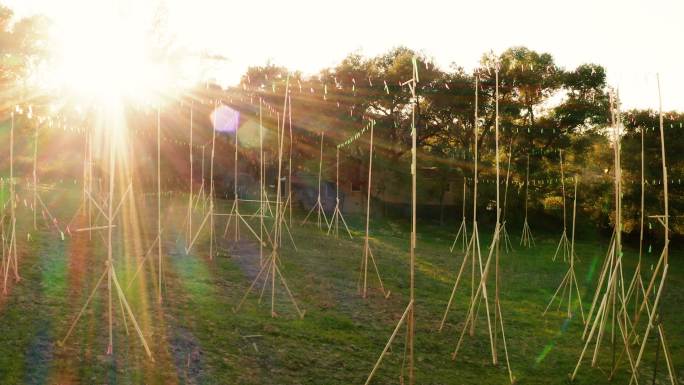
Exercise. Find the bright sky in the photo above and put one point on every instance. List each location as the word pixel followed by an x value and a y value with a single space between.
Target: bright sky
pixel 633 39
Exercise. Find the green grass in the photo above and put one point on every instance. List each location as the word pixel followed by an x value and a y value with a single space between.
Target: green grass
pixel 196 338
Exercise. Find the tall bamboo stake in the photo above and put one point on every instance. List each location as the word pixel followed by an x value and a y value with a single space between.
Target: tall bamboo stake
pixel 289 167
pixel 367 252
pixel 408 316
pixel 262 212
pixel 191 195
pixel 159 234
pixel 35 176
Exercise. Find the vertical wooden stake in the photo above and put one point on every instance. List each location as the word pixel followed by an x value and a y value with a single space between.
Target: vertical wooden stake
pixel 159 235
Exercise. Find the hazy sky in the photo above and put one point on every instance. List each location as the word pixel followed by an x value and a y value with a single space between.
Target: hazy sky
pixel 633 39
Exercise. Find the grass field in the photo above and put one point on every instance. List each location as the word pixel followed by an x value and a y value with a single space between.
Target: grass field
pixel 196 338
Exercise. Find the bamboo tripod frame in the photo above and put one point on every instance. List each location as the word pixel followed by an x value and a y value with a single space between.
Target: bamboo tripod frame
pixel 526 239
pixel 209 216
pixel 271 265
pixel 318 206
pixel 235 209
pixel 611 279
pixel 636 286
pixel 9 250
pixel 494 251
pixel 367 251
pixel 85 207
pixel 337 213
pixel 463 228
pixel 36 195
pixel 408 317
pixel 473 252
pixel 564 244
pixel 508 245
pixel 660 271
pixel 570 278
pixel 110 271
pixel 278 236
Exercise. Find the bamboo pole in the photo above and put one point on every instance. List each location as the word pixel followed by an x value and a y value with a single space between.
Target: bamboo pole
pixel 191 195
pixel 35 176
pixel 261 186
pixel 289 167
pixel 159 234
pixel 367 253
pixel 408 316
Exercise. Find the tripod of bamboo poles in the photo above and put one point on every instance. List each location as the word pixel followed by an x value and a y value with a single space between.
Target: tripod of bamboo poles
pixel 201 195
pixel 564 243
pixel 209 216
pixel 188 220
pixel 109 270
pixel 285 203
pixel 9 250
pixel 636 286
pixel 50 220
pixel 85 207
pixel 337 213
pixel 473 252
pixel 570 278
pixel 462 232
pixel 526 239
pixel 494 251
pixel 158 239
pixel 651 293
pixel 367 251
pixel 611 290
pixel 508 245
pixel 318 206
pixel 265 204
pixel 271 265
pixel 408 317
pixel 655 317
pixel 235 209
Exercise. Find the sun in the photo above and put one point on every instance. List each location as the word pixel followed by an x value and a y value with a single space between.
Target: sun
pixel 106 58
